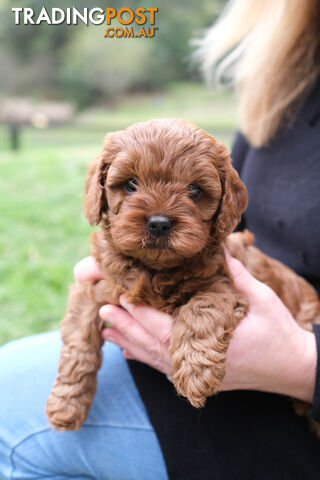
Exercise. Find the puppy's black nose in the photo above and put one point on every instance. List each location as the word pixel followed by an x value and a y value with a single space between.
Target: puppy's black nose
pixel 159 225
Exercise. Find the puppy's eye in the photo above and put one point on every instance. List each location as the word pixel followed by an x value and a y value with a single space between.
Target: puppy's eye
pixel 131 185
pixel 194 191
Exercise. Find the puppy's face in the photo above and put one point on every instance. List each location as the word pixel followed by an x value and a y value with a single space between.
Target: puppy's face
pixel 160 188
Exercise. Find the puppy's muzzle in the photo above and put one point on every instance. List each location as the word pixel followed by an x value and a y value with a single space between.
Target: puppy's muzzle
pixel 159 225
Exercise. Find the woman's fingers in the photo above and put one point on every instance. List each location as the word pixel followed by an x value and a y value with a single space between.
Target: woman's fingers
pixel 134 352
pixel 157 324
pixel 134 339
pixel 126 325
pixel 87 270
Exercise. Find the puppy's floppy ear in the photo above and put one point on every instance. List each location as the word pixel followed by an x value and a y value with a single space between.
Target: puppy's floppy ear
pixel 234 196
pixel 95 198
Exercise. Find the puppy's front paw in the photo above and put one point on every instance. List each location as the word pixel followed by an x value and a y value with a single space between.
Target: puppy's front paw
pixel 197 373
pixel 68 408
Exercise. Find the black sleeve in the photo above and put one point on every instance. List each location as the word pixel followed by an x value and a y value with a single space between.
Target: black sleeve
pixel 314 412
pixel 238 154
pixel 238 151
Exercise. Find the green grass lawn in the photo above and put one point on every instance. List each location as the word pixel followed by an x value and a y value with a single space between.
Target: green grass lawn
pixel 42 229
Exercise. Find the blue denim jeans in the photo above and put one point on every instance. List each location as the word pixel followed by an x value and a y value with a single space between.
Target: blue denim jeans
pixel 117 441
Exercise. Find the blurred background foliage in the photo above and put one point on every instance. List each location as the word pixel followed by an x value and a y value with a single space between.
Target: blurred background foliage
pixel 111 83
pixel 76 62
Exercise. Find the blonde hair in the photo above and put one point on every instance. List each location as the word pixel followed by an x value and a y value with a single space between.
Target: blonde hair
pixel 270 49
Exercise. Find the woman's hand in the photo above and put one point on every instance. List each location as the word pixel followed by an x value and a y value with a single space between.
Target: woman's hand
pixel 143 333
pixel 268 350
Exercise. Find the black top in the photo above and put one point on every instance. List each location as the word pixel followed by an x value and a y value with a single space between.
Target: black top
pixel 243 434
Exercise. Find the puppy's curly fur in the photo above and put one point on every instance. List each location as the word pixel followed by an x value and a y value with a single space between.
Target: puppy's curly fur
pixel 181 172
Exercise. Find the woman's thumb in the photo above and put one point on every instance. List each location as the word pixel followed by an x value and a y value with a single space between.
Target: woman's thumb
pixel 243 280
